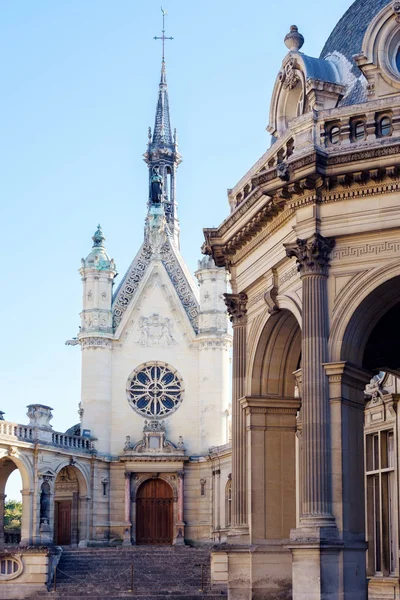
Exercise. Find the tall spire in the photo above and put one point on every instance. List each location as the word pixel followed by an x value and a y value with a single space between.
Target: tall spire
pixel 162 156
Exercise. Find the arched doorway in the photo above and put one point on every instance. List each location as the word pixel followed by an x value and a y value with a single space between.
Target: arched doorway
pixel 154 513
pixel 16 521
pixel 371 342
pixel 69 514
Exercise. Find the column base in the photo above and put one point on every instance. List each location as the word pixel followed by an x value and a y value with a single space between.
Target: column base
pixel 328 570
pixel 254 572
pixel 127 538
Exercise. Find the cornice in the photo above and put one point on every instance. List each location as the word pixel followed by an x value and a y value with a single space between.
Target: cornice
pixel 326 182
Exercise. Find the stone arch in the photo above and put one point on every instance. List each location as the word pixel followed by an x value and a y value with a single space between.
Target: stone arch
pixel 276 356
pixel 365 302
pixel 70 507
pixel 9 462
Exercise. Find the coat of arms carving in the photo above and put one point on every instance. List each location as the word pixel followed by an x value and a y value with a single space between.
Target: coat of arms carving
pixel 155 331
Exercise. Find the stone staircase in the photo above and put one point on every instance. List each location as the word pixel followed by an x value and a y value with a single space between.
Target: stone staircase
pixel 159 572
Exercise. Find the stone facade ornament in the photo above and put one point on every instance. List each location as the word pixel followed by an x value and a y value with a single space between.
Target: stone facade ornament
pixel 270 299
pixel 39 416
pixel 312 255
pixel 288 76
pixel 282 171
pixel 154 441
pixel 294 40
pixel 236 305
pixel 155 331
pixel 396 10
pixel 374 390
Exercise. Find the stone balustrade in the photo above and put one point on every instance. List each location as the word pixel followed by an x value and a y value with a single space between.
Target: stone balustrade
pixel 26 433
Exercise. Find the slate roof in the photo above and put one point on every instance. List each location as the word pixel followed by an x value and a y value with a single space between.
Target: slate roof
pixel 348 34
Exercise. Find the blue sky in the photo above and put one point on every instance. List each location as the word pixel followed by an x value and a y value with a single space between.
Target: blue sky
pixel 79 89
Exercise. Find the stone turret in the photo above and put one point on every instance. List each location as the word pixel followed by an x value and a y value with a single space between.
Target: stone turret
pixel 214 353
pixel 95 336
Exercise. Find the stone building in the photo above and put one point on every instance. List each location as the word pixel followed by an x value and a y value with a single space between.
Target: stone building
pixel 149 461
pixel 312 245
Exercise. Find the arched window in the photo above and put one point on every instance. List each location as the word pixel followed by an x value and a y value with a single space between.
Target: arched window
pixel 228 503
pixel 385 127
pixel 334 135
pixel 359 131
pixel 398 59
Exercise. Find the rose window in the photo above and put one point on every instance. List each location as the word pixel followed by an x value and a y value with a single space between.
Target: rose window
pixel 155 389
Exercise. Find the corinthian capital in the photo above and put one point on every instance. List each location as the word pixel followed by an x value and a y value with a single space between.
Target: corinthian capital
pixel 236 305
pixel 312 255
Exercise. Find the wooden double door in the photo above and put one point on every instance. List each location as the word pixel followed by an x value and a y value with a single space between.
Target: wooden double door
pixel 154 513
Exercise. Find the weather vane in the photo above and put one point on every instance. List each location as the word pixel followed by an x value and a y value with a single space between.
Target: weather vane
pixel 163 37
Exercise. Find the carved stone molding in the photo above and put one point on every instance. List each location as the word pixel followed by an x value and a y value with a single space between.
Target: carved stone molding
pixel 312 255
pixel 270 299
pixel 95 342
pixel 237 307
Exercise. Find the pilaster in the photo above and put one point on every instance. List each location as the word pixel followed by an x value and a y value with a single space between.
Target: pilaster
pixel 237 309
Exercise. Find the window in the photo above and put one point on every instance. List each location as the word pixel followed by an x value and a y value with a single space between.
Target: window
pixel 381 505
pixel 359 131
pixel 334 135
pixel 10 567
pixel 155 390
pixel 398 59
pixel 385 127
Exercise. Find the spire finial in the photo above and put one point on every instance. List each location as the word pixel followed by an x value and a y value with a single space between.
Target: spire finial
pixel 98 237
pixel 163 37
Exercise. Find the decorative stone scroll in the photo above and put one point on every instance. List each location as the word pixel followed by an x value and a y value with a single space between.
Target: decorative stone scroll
pixel 312 255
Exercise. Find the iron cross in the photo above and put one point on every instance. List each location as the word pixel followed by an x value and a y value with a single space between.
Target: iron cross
pixel 163 37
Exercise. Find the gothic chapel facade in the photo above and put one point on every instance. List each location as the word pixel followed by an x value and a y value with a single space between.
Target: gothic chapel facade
pixel 149 461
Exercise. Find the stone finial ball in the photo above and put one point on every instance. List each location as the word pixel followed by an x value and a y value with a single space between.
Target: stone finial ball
pixel 294 40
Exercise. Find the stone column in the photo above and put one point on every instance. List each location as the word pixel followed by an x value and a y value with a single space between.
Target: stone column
pixel 236 305
pixel 315 545
pixel 180 534
pixel 2 503
pixel 316 488
pixel 127 533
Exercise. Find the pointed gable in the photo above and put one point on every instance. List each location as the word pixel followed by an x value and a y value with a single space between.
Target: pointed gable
pixel 177 272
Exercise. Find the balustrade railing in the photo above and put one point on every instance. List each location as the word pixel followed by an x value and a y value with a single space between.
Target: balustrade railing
pixel 22 432
pixel 26 433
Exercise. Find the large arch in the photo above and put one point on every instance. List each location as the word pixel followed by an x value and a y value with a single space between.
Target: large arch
pixel 276 357
pixel 9 462
pixel 366 336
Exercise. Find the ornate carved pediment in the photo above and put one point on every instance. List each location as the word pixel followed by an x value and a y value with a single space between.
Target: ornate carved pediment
pixel 154 441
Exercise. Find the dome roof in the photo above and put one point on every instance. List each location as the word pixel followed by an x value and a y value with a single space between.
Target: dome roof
pixel 347 36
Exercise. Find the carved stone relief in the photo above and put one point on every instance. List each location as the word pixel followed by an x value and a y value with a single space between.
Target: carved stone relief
pixel 155 331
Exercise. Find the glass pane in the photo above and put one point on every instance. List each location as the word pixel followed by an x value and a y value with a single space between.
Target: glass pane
pixel 369 458
pixel 359 131
pixel 377 525
pixel 335 135
pixel 385 126
pixel 376 452
pixel 398 59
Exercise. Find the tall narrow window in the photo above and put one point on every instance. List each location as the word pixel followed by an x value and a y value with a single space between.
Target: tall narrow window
pixel 381 503
pixel 398 59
